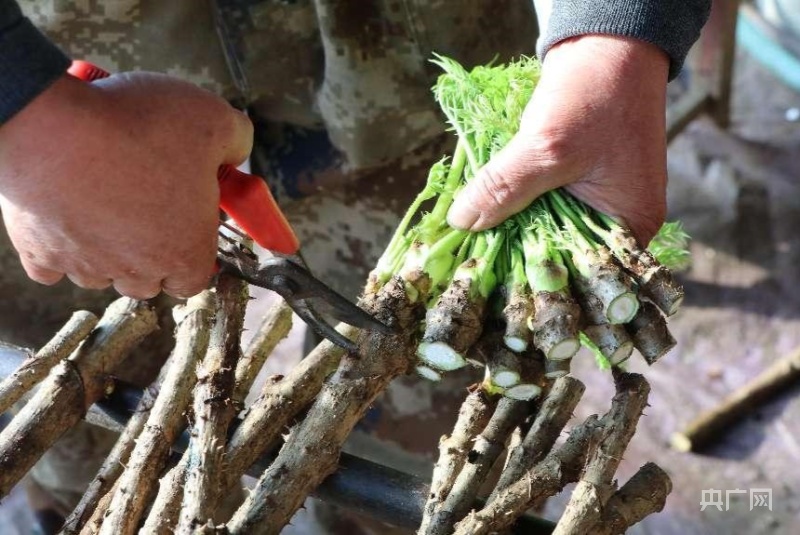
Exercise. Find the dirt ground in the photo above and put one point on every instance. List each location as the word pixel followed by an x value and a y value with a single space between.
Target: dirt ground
pixel 738 194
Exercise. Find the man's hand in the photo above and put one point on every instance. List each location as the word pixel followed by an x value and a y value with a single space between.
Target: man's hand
pixel 115 182
pixel 596 124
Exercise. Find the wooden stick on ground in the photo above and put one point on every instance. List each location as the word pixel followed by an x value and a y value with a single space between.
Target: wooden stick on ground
pixel 486 450
pixel 550 420
pixel 165 421
pixel 36 367
pixel 71 388
pixel 473 416
pixel 274 327
pixel 597 482
pixel 562 466
pixel 312 450
pixel 644 494
pixel 710 425
pixel 213 409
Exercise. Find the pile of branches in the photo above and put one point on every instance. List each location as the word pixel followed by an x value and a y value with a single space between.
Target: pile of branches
pixel 205 380
pixel 535 468
pixel 519 300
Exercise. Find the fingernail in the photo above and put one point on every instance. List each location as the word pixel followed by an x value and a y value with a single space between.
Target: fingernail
pixel 462 215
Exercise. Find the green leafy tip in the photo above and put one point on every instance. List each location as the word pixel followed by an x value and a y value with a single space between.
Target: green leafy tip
pixel 670 247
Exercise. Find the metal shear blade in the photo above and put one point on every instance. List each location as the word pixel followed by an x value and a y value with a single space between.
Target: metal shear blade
pixel 304 293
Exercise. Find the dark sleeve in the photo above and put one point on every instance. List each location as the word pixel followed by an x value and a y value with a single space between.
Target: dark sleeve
pixel 672 25
pixel 29 62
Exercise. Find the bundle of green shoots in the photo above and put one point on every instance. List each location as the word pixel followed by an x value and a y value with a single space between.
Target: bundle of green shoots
pixel 555 277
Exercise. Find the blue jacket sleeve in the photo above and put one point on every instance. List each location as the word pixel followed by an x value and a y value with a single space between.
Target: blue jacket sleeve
pixel 29 62
pixel 672 25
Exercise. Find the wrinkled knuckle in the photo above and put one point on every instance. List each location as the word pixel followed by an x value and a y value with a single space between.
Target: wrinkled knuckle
pixel 495 188
pixel 553 145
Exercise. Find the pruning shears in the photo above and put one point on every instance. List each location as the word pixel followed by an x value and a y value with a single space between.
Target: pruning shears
pixel 247 200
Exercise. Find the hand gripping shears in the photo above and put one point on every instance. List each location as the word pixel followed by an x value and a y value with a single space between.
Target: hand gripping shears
pixel 247 200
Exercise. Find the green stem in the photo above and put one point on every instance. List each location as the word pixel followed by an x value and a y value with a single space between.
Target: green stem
pixel 464 250
pixel 544 267
pixel 400 242
pixel 486 272
pixel 566 210
pixel 516 273
pixel 462 138
pixel 585 214
pixel 448 243
pixel 452 182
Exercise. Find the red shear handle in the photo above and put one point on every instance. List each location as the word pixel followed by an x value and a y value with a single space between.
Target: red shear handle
pixel 245 198
pixel 83 70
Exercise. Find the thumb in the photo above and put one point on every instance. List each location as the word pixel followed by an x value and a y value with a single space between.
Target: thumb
pixel 238 138
pixel 511 180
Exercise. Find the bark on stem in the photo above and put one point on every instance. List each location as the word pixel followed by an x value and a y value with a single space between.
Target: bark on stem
pixel 213 410
pixel 503 367
pixel 473 416
pixel 71 388
pixel 115 463
pixel 452 326
pixel 543 433
pixel 532 378
pixel 557 368
pixel 656 281
pixel 274 327
pixel 644 494
pixel 312 450
pixel 281 401
pixel 487 449
pixel 555 324
pixel 95 521
pixel 519 308
pixel 597 483
pixel 36 367
pixel 561 467
pixel 612 340
pixel 111 469
pixel 650 333
pixel 165 421
pixel 166 507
